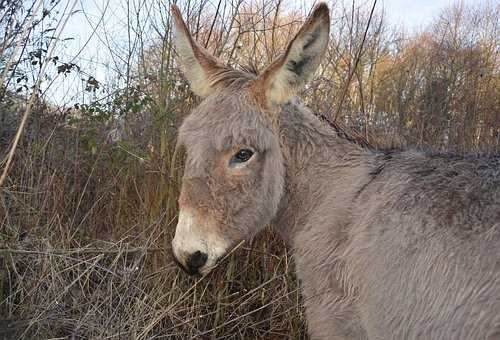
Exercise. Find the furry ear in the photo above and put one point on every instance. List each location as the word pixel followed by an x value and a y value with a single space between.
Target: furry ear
pixel 286 76
pixel 199 67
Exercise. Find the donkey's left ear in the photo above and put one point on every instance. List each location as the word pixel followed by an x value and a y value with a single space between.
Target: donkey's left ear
pixel 286 76
pixel 199 67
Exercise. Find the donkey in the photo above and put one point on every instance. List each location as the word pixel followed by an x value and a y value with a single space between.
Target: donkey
pixel 387 245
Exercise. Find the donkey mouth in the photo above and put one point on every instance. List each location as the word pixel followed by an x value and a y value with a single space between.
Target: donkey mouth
pixel 197 272
pixel 199 263
pixel 188 270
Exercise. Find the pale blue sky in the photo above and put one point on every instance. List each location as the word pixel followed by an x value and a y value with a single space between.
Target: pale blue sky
pixel 96 58
pixel 414 13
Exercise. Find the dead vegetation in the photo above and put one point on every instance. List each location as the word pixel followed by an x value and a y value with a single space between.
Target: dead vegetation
pixel 88 206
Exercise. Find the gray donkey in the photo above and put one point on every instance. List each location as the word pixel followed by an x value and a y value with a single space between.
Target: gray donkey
pixel 387 245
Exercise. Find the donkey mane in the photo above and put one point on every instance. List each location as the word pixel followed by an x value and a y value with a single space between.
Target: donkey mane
pixel 234 79
pixel 349 135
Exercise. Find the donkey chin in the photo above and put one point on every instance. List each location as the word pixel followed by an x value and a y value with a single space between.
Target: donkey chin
pixel 197 247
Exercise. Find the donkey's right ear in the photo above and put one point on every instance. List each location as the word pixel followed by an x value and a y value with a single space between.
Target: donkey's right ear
pixel 286 76
pixel 199 67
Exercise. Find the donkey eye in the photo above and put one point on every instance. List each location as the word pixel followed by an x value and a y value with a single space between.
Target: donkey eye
pixel 242 156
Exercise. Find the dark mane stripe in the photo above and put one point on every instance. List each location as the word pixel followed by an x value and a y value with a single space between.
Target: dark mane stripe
pixel 352 137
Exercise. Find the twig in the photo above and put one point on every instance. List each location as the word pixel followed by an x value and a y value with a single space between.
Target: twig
pixel 76 251
pixel 358 56
pixel 24 34
pixel 213 24
pixel 31 102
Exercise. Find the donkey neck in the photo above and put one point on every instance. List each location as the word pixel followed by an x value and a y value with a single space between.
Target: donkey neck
pixel 320 167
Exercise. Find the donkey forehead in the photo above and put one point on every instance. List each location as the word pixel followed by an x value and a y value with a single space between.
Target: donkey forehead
pixel 223 122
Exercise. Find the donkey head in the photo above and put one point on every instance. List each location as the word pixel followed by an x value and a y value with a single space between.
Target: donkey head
pixel 234 171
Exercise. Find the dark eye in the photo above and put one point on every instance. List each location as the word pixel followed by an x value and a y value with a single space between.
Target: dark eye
pixel 242 156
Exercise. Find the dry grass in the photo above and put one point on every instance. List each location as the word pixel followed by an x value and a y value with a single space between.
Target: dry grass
pixel 113 290
pixel 85 253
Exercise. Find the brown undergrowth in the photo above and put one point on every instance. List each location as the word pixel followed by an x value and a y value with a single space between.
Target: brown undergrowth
pixel 85 253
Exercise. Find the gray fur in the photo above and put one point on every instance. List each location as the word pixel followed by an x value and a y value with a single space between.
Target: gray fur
pixel 387 245
pixel 398 245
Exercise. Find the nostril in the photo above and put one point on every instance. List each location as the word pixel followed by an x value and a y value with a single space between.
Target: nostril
pixel 196 260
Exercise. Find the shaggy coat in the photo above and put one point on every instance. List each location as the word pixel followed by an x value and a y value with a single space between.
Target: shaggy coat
pixel 401 245
pixel 387 244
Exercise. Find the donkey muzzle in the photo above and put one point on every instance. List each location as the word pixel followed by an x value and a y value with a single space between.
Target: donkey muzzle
pixel 196 246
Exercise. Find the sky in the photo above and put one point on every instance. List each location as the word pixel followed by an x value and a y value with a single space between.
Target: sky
pixel 414 14
pixel 95 58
